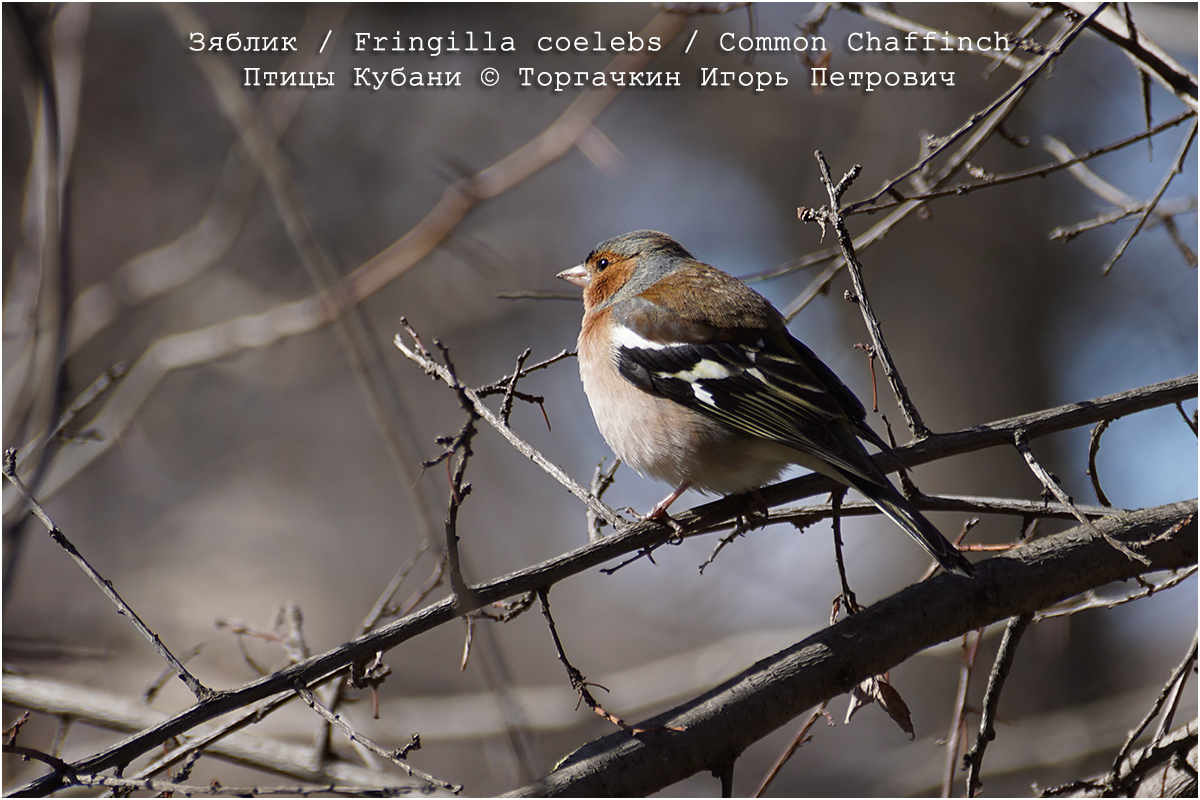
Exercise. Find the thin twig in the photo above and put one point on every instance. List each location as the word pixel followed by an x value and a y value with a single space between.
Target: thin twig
pixel 1189 421
pixel 1126 206
pixel 958 722
pixel 1091 600
pixel 1009 506
pixel 1178 677
pixel 602 479
pixel 1019 438
pixel 1176 168
pixel 459 489
pixel 1144 83
pixel 392 756
pixel 198 689
pixel 502 384
pixel 832 214
pixel 1031 26
pixel 580 684
pixel 1172 753
pixel 1093 451
pixel 847 597
pixel 801 738
pixel 419 355
pixel 973 760
pixel 158 683
pixel 1004 179
pixel 506 406
pixel 84 400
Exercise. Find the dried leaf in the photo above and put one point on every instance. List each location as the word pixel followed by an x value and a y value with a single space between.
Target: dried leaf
pixel 878 690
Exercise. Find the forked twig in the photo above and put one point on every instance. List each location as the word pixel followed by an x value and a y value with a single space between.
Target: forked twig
pixel 833 215
pixel 393 756
pixel 418 354
pixel 1043 475
pixel 580 684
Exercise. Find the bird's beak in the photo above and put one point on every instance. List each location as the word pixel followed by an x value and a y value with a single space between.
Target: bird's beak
pixel 577 275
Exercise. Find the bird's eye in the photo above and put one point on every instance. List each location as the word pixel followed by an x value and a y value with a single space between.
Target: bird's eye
pixel 601 263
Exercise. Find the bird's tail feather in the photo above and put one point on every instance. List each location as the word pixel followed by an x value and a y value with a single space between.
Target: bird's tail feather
pixel 892 503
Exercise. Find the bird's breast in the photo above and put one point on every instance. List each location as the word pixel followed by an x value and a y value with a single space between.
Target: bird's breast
pixel 667 440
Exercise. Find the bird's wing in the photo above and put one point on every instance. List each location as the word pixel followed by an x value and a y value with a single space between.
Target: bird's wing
pixel 763 383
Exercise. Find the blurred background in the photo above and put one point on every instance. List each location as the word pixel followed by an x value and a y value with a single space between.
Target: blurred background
pixel 236 485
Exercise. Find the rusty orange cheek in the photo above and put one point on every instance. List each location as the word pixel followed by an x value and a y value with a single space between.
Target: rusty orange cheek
pixel 605 284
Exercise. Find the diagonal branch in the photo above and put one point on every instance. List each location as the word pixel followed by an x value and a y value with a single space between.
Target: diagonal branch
pixel 420 356
pixel 981 125
pixel 833 215
pixel 1146 55
pixel 198 689
pixel 987 731
pixel 1175 169
pixel 721 723
pixel 1053 488
pixel 392 756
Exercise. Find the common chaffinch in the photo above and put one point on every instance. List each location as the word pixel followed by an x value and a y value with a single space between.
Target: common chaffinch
pixel 695 380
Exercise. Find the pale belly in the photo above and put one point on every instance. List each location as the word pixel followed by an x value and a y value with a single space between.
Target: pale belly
pixel 663 439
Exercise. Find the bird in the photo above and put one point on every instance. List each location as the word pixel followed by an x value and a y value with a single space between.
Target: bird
pixel 694 379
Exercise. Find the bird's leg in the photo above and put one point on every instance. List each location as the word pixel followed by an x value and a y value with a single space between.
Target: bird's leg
pixel 659 512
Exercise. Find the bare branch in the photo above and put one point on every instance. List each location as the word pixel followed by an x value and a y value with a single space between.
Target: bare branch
pixel 1152 204
pixel 391 755
pixel 801 738
pixel 1170 690
pixel 113 712
pixel 991 700
pixel 1088 601
pixel 1051 484
pixel 980 126
pixel 1147 56
pixel 992 181
pixel 198 689
pixel 421 357
pixel 958 721
pixel 833 215
pixel 725 720
pixel 1034 576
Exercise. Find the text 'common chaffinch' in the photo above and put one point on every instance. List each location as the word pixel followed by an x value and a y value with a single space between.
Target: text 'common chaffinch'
pixel 694 379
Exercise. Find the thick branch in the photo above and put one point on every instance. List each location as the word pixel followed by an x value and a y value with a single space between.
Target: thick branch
pixel 722 723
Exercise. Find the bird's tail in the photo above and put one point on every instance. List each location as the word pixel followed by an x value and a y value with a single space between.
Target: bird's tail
pixel 891 502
